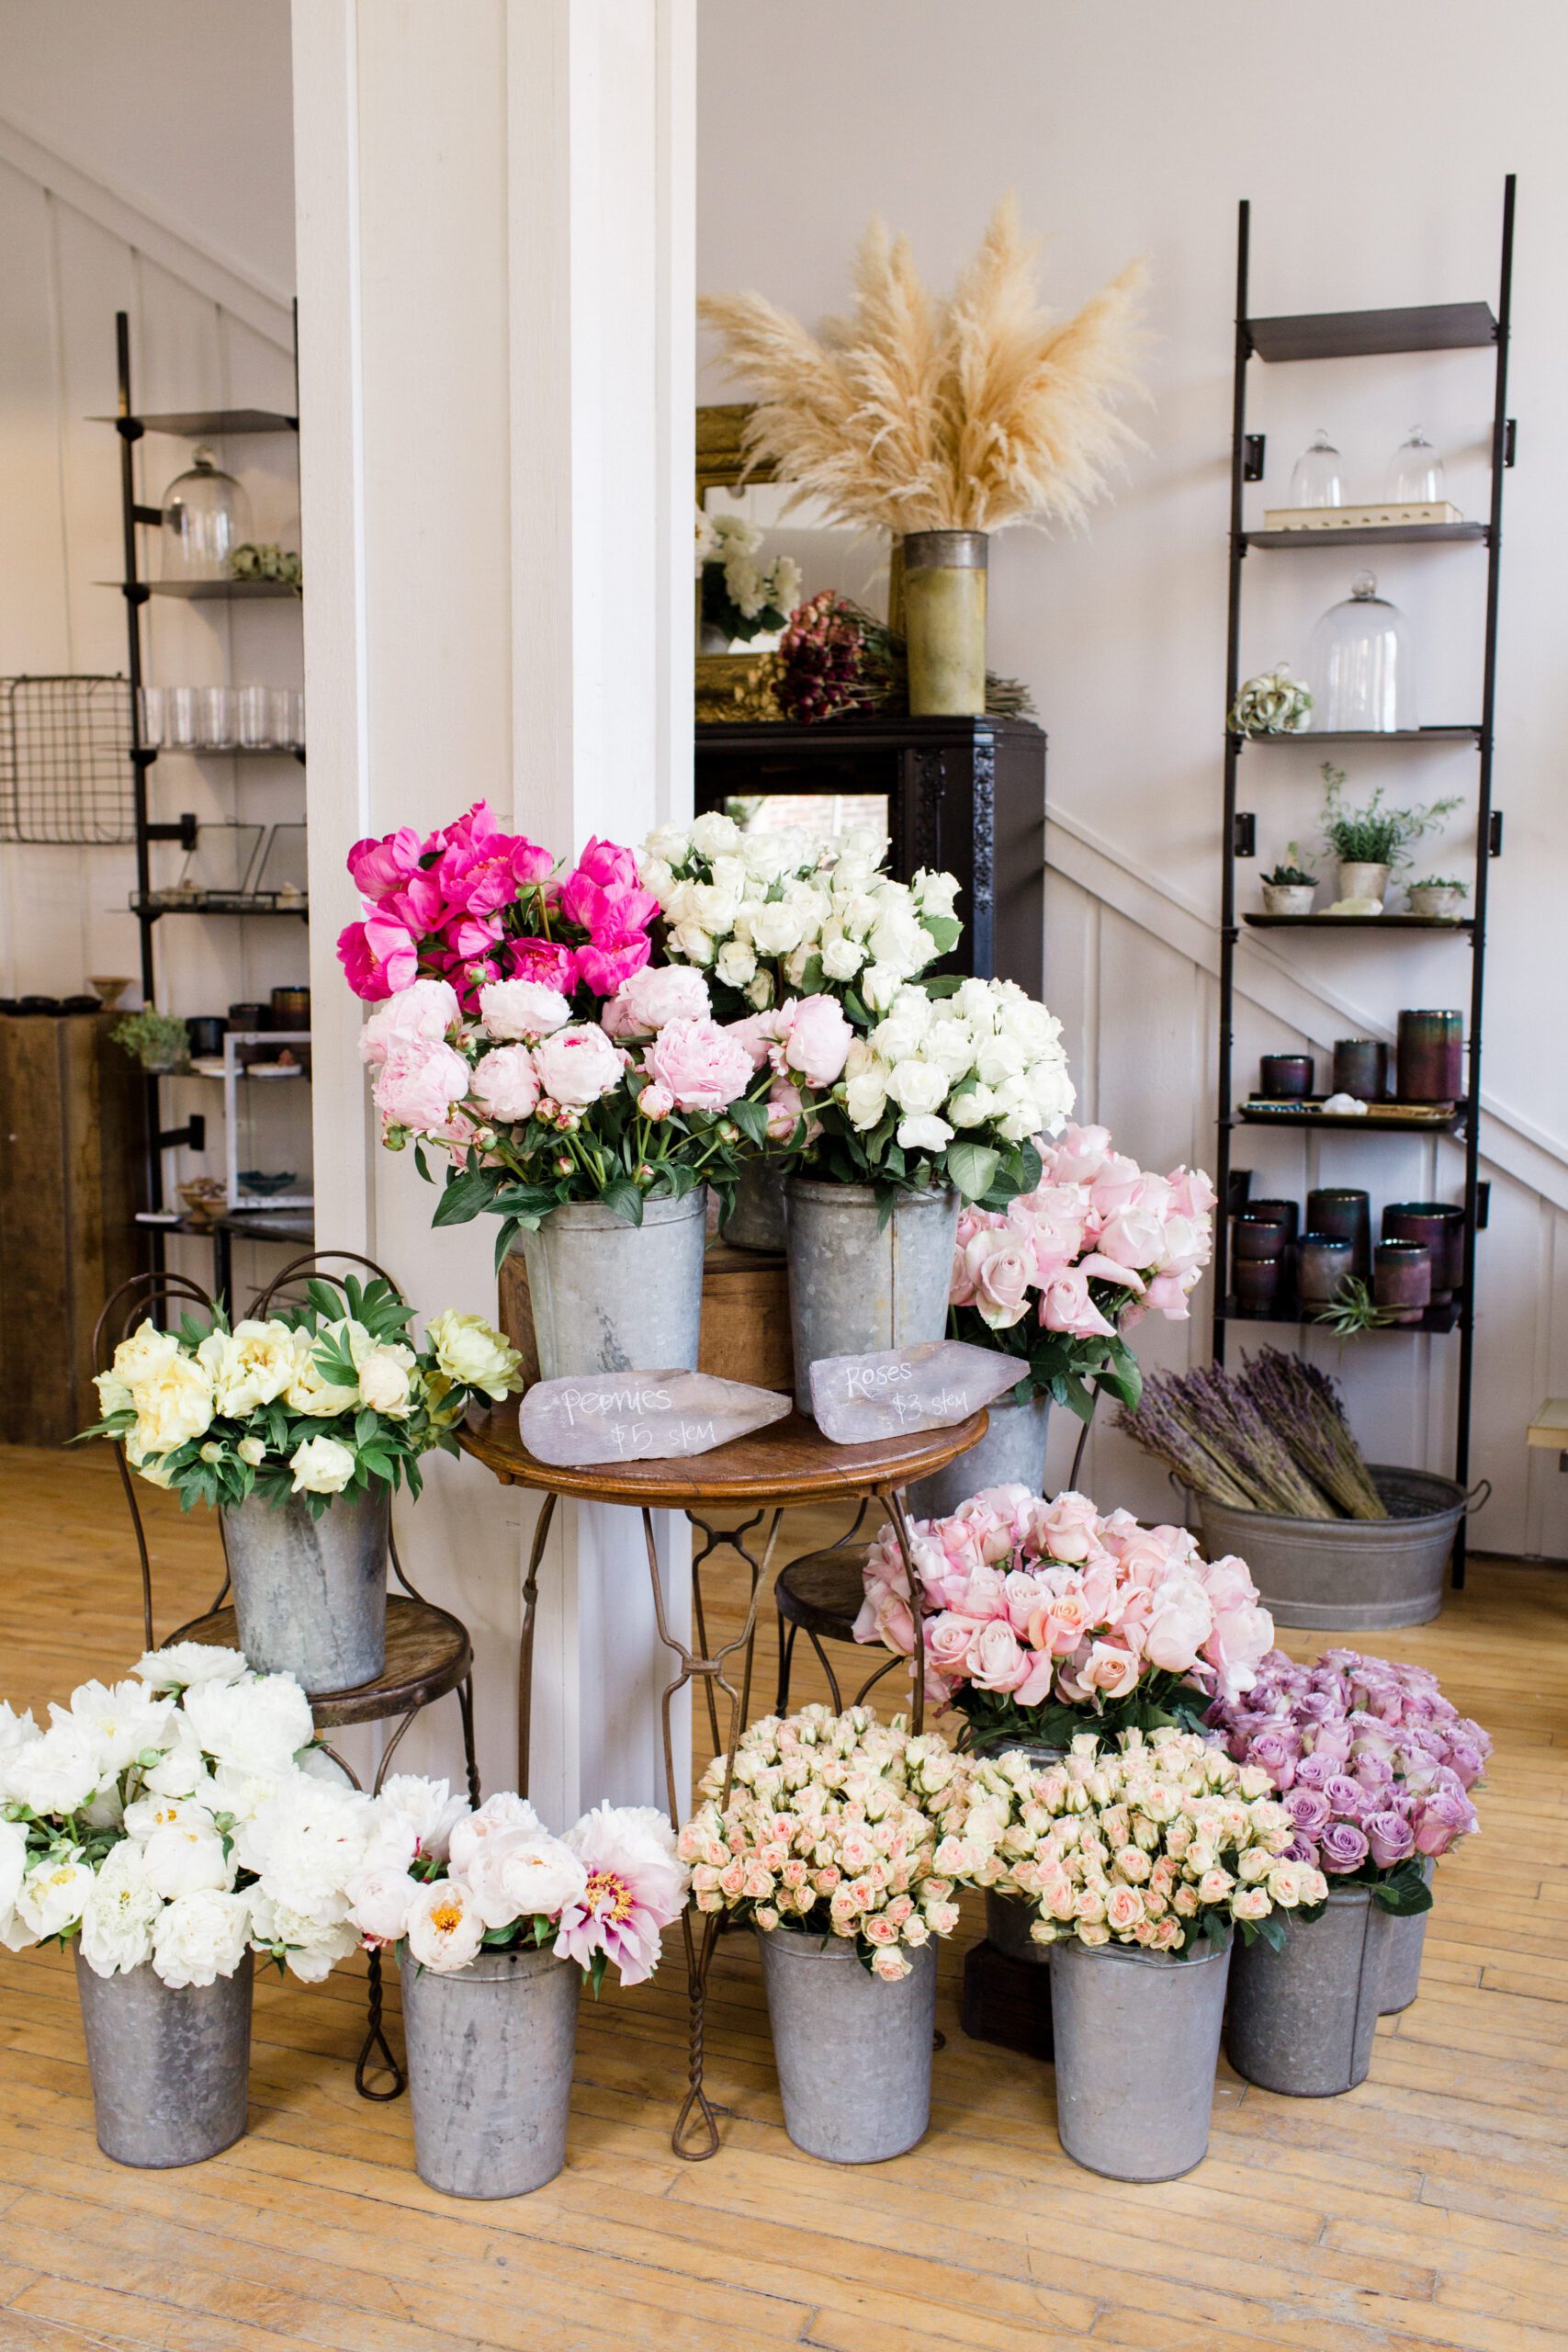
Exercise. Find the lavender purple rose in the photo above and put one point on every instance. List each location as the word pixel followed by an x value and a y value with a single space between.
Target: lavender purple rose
pixel 1372 1764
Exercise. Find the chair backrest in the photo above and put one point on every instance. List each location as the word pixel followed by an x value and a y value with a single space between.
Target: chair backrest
pixel 149 1295
pixel 316 1265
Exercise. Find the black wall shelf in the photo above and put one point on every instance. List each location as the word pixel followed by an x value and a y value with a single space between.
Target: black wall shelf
pixel 201 423
pixel 1344 335
pixel 1290 1310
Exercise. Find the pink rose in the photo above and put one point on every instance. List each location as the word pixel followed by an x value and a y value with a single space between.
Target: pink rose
pixel 995 1658
pixel 425 1008
pixel 948 1639
pixel 611 958
pixel 1181 1625
pixel 1069 1530
pixel 1192 1195
pixel 1166 1296
pixel 817 1038
pixel 579 1065
pixel 522 1009
pixel 418 1084
pixel 1109 1668
pixel 702 1064
pixel 1240 1639
pixel 654 997
pixel 1078 1155
pixel 999 1272
pixel 1133 1238
pixel 1065 1306
pixel 543 961
pixel 506 1085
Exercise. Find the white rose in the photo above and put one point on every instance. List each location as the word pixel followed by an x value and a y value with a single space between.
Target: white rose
pixel 120 1721
pixel 680 904
pixel 776 927
pixel 897 937
pixel 120 1913
pixel 185 1857
pixel 713 908
pixel 578 1065
pixel 972 1107
pixel 924 1134
pixel 842 958
pixel 866 1096
pixel 1054 1094
pixel 917 1086
pixel 952 1044
pixel 444 1929
pixel 51 1898
pixel 320 1466
pixel 522 1008
pixel 522 1875
pixel 256 1727
pixel 669 843
pixel 472 1352
pixel 905 1027
pixel 55 1774
pixel 729 874
pixel 690 940
pixel 880 983
pixel 736 964
pixel 767 855
pixel 935 894
pixel 760 992
pixel 655 875
pixel 853 906
pixel 975 1000
pixel 201 1936
pixel 714 835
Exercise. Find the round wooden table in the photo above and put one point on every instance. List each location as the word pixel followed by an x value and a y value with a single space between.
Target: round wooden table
pixel 787 1463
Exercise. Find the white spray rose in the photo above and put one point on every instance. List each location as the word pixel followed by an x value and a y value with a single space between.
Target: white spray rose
pixel 201 1936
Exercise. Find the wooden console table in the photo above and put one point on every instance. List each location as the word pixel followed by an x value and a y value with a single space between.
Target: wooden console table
pixel 790 1462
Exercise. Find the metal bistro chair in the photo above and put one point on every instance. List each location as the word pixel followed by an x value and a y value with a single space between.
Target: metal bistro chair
pixel 428 1649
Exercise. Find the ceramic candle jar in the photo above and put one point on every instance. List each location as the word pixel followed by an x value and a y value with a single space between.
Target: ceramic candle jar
pixel 1401 1279
pixel 1430 1056
pixel 1361 1067
pixel 1323 1261
pixel 1440 1226
pixel 1285 1078
pixel 1344 1210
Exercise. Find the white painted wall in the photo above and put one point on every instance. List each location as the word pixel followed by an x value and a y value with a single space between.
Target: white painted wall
pixel 1374 146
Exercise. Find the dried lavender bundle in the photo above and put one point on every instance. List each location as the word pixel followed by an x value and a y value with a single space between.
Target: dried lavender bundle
pixel 1303 1406
pixel 1160 1426
pixel 1249 1440
pixel 1214 1436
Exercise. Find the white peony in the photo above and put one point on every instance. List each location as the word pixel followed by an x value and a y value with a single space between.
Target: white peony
pixel 578 1065
pixel 185 1857
pixel 428 1804
pixel 146 1350
pixel 57 1772
pixel 255 1726
pixel 321 1467
pixel 445 1928
pixel 524 1874
pixel 472 1352
pixel 504 1811
pixel 50 1900
pixel 119 1913
pixel 182 1663
pixel 173 1405
pixel 201 1936
pixel 249 1366
pixel 16 1731
pixel 166 1810
pixel 310 1390
pixel 385 1369
pixel 523 1009
pixel 310 1947
pixel 305 1844
pixel 380 1897
pixel 120 1721
pixel 13 1864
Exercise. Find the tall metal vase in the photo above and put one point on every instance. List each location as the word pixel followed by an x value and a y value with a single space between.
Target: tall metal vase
pixel 1404 1944
pixel 1137 2038
pixel 310 1594
pixel 853 2053
pixel 1011 1453
pixel 1302 2019
pixel 169 2067
pixel 490 2052
pixel 856 1284
pixel 944 622
pixel 608 1296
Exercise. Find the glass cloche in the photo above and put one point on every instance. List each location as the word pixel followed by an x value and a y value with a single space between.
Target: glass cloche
pixel 1315 479
pixel 1415 472
pixel 205 517
pixel 1362 667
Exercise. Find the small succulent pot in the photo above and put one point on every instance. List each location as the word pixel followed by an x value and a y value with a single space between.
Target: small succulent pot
pixel 1258 1283
pixel 1360 879
pixel 1361 1067
pixel 1436 901
pixel 1430 1056
pixel 490 2053
pixel 1404 1944
pixel 1440 1225
pixel 1323 1262
pixel 169 2066
pixel 1285 1078
pixel 1285 1212
pixel 1302 2019
pixel 1401 1279
pixel 944 622
pixel 1011 1453
pixel 1254 1235
pixel 1342 1209
pixel 1288 898
pixel 853 2053
pixel 1137 2037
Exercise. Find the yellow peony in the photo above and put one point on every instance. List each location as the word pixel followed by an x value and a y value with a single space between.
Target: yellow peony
pixel 468 1350
pixel 321 1467
pixel 384 1369
pixel 249 1366
pixel 173 1403
pixel 145 1352
pixel 309 1390
pixel 151 1471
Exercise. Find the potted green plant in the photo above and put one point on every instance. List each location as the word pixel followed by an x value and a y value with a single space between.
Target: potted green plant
pixel 159 1041
pixel 1288 889
pixel 1438 894
pixel 1373 842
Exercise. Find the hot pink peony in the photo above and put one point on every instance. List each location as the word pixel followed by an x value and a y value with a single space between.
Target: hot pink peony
pixel 704 1066
pixel 543 961
pixel 607 961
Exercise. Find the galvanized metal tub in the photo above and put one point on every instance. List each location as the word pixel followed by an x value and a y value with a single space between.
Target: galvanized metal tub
pixel 1011 1453
pixel 1302 2019
pixel 310 1594
pixel 853 1288
pixel 608 1296
pixel 169 2068
pixel 1354 1576
pixel 490 2052
pixel 1137 2038
pixel 853 2053
pixel 1404 1945
pixel 1009 1918
pixel 757 1217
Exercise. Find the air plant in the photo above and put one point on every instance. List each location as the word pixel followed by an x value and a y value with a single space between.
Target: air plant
pixel 1353 1308
pixel 921 415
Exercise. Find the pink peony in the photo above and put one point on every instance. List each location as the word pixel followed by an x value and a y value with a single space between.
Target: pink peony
pixel 579 1065
pixel 704 1066
pixel 419 1082
pixel 817 1038
pixel 757 1034
pixel 656 1102
pixel 425 1008
pixel 506 1084
pixel 785 1111
pixel 543 961
pixel 522 1009
pixel 377 868
pixel 636 1888
pixel 611 958
pixel 654 997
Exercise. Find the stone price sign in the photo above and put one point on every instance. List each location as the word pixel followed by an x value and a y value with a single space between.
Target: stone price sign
pixel 898 1392
pixel 641 1415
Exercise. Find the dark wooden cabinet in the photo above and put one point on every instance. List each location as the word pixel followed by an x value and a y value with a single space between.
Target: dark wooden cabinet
pixel 964 794
pixel 72 1155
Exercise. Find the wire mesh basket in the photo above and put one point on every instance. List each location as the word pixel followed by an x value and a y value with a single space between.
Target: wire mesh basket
pixel 65 770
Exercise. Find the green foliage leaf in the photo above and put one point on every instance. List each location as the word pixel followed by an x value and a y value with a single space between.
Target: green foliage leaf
pixel 463 1199
pixel 623 1197
pixel 751 1119
pixel 973 1167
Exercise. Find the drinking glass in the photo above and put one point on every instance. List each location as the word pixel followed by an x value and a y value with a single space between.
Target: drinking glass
pixel 179 717
pixel 255 732
pixel 152 710
pixel 215 717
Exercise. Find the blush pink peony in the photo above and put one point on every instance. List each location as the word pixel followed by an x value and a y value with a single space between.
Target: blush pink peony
pixel 704 1066
pixel 578 1065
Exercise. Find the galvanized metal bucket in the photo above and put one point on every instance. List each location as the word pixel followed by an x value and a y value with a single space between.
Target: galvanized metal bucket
pixel 608 1296
pixel 1137 2038
pixel 310 1594
pixel 853 1288
pixel 1009 1920
pixel 169 2067
pixel 853 2053
pixel 1011 1453
pixel 1357 1576
pixel 1302 2019
pixel 1404 1945
pixel 757 1218
pixel 490 2050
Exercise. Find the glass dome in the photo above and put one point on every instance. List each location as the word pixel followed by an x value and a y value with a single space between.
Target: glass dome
pixel 1415 472
pixel 1315 479
pixel 1361 666
pixel 205 517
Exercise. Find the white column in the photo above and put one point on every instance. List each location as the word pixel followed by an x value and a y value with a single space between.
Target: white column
pixel 495 251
